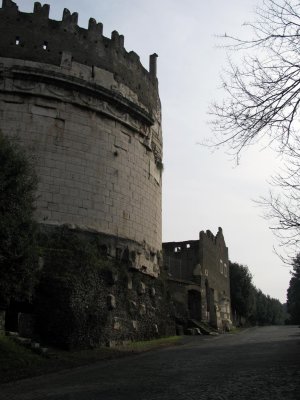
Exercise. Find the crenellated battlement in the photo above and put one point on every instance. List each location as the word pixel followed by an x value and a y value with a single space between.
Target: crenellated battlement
pixel 36 37
pixel 41 10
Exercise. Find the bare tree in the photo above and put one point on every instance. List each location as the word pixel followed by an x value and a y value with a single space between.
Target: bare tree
pixel 283 208
pixel 263 101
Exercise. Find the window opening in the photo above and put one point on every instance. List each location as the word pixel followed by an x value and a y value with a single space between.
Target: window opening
pixel 225 270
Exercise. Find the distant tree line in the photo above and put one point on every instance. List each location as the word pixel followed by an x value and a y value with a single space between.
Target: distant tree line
pixel 293 293
pixel 250 306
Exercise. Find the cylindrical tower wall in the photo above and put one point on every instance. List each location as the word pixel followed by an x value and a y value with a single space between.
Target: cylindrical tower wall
pixel 93 128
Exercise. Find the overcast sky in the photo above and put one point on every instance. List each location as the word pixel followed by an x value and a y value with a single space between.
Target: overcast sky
pixel 201 189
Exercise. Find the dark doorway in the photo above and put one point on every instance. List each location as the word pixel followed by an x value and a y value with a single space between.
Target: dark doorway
pixel 194 304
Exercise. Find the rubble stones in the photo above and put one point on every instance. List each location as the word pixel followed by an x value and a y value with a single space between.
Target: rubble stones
pixel 111 302
pixel 141 288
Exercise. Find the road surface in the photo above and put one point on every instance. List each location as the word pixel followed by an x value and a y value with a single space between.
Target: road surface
pixel 259 363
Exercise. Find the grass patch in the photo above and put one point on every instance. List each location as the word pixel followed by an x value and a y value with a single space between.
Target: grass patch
pixel 151 344
pixel 17 361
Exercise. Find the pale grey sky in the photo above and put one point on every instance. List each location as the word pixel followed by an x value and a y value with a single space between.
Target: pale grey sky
pixel 201 190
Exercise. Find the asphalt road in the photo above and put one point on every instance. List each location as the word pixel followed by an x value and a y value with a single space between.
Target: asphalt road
pixel 259 363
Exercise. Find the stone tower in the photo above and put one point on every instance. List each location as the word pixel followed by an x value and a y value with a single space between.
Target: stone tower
pixel 89 114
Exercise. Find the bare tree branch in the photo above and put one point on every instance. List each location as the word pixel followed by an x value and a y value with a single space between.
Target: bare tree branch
pixel 262 97
pixel 262 100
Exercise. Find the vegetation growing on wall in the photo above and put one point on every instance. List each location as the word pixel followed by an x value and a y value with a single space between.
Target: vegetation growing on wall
pixel 85 298
pixel 69 294
pixel 18 257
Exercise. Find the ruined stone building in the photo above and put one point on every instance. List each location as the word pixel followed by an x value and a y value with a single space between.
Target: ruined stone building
pixel 88 113
pixel 199 279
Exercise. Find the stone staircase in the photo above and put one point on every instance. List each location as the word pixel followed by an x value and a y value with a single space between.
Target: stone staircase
pixel 29 343
pixel 203 327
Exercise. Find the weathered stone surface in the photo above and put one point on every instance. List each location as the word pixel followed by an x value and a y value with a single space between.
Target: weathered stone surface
pixel 44 350
pixel 190 331
pixel 116 324
pixel 35 345
pixel 12 334
pixel 134 325
pixel 86 311
pixel 88 113
pixel 142 309
pixel 129 283
pixel 199 279
pixel 111 302
pixel 112 277
pixel 141 288
pixel 24 341
pixel 111 343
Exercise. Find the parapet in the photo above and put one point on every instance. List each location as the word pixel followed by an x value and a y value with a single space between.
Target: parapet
pixel 35 37
pixel 207 235
pixel 210 237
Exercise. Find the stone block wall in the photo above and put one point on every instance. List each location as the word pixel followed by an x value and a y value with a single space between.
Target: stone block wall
pixel 214 258
pixel 88 114
pixel 215 264
pixel 181 258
